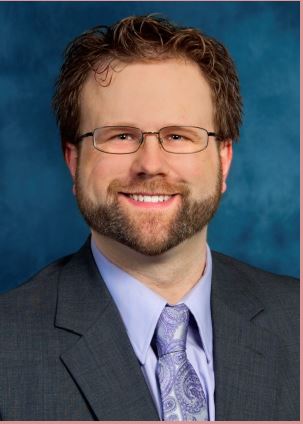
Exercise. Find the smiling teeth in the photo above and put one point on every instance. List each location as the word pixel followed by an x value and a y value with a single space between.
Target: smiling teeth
pixel 152 199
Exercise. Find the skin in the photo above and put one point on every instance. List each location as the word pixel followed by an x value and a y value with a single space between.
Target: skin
pixel 151 96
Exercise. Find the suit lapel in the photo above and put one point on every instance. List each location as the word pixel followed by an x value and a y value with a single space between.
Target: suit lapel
pixel 102 361
pixel 244 354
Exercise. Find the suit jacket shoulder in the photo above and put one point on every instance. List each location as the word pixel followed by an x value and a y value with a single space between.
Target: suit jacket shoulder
pixel 279 294
pixel 256 342
pixel 36 294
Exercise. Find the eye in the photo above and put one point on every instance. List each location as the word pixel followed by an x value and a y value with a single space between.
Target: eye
pixel 179 135
pixel 178 138
pixel 174 137
pixel 122 137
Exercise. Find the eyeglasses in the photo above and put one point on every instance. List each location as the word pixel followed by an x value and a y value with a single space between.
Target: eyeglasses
pixel 174 139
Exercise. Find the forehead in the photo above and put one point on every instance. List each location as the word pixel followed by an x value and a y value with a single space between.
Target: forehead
pixel 148 94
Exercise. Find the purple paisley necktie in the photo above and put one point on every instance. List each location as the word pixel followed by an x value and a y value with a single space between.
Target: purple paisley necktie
pixel 182 395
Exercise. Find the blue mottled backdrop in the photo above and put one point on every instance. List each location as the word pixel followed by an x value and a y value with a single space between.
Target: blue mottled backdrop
pixel 258 221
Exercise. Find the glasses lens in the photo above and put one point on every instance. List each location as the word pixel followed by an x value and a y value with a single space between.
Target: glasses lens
pixel 117 139
pixel 183 139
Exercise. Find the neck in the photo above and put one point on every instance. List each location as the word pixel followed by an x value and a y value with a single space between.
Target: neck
pixel 171 275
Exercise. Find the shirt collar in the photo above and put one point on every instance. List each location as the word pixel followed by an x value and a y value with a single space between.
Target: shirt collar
pixel 198 302
pixel 140 307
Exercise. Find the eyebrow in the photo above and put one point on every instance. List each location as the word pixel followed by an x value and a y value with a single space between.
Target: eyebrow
pixel 136 125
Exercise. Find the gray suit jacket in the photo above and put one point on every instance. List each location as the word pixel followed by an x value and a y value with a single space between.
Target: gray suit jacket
pixel 65 354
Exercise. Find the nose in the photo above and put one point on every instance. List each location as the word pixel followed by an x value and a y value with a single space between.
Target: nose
pixel 150 159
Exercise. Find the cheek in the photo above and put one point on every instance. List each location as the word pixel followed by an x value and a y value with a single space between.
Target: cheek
pixel 201 173
pixel 98 170
pixel 199 169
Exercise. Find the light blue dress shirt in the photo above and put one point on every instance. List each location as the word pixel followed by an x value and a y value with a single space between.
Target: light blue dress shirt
pixel 140 309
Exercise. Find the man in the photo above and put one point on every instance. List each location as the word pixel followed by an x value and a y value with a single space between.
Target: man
pixel 145 322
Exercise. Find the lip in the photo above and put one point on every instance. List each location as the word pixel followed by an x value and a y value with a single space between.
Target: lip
pixel 138 193
pixel 149 205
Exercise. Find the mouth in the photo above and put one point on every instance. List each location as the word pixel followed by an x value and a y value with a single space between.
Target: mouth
pixel 149 199
pixel 154 198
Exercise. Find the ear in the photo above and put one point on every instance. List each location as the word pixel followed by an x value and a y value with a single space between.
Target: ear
pixel 226 155
pixel 71 153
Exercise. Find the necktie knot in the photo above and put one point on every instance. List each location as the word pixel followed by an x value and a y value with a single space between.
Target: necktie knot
pixel 171 330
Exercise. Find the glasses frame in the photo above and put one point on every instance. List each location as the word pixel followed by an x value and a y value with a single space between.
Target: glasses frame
pixel 143 133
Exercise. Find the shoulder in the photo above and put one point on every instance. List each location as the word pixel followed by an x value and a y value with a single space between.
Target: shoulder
pixel 36 294
pixel 278 293
pixel 229 264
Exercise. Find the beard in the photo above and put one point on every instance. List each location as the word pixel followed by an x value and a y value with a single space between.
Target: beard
pixel 148 232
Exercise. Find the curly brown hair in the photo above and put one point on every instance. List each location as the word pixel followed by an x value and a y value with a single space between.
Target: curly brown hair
pixel 146 38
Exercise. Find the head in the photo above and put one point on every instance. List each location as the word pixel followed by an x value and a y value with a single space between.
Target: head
pixel 145 39
pixel 147 73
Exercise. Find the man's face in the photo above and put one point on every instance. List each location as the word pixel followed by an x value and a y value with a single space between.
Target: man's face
pixel 149 96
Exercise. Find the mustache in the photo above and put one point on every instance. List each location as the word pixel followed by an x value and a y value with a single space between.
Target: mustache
pixel 154 186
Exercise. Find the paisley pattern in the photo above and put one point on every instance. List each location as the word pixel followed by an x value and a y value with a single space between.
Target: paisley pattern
pixel 166 376
pixel 182 394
